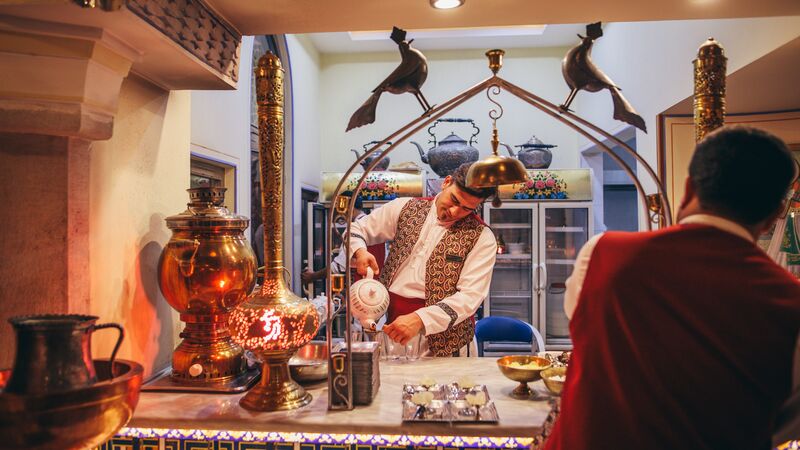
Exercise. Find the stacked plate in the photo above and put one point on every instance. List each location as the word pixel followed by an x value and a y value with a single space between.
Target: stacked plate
pixel 366 375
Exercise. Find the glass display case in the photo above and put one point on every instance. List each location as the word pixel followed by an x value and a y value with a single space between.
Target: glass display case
pixel 537 246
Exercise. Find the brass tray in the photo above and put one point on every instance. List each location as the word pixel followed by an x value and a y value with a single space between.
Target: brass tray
pixel 448 405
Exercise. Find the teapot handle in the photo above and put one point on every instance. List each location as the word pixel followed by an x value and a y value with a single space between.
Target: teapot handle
pixel 454 120
pixel 370 273
pixel 373 143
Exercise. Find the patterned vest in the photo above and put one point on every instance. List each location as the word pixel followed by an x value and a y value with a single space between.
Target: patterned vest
pixel 442 270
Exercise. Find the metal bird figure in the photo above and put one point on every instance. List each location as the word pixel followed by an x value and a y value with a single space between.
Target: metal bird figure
pixel 580 73
pixel 407 77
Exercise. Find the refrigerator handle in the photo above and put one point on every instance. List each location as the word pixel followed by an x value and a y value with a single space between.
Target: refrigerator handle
pixel 537 280
pixel 542 282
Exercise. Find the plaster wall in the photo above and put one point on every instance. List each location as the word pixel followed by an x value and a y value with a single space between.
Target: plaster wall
pixel 220 127
pixel 137 179
pixel 652 63
pixel 307 147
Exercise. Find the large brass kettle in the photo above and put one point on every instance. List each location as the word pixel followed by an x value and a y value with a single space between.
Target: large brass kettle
pixel 451 151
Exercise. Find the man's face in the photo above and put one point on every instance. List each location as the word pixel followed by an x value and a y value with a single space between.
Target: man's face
pixel 453 204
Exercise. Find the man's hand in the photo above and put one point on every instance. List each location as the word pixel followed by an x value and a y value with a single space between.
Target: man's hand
pixel 404 328
pixel 308 277
pixel 363 259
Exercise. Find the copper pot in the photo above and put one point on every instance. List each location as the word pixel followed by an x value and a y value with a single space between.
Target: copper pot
pixel 54 353
pixel 76 419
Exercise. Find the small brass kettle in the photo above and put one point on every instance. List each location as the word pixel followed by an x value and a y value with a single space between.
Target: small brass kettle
pixel 533 154
pixel 383 165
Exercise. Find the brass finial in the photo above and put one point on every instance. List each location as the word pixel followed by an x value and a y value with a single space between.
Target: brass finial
pixel 495 59
pixel 709 88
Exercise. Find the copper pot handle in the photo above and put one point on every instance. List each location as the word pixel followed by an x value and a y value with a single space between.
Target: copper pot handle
pixel 116 346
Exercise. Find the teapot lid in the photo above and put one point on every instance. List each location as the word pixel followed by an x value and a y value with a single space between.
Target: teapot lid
pixel 535 142
pixel 371 292
pixel 452 138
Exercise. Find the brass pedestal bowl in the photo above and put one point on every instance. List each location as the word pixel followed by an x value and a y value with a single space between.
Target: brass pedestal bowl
pixel 71 420
pixel 554 379
pixel 523 369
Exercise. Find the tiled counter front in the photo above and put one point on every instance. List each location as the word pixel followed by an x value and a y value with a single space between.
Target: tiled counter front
pixel 183 421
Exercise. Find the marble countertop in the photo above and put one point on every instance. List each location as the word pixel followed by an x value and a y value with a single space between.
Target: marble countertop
pixel 188 411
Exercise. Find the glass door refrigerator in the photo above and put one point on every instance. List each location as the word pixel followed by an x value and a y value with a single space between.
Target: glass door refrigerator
pixel 315 259
pixel 537 246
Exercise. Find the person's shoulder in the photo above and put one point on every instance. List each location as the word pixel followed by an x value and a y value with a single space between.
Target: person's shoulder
pixel 402 200
pixel 623 236
pixel 487 233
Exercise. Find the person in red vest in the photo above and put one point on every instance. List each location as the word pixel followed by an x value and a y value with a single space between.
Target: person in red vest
pixel 439 267
pixel 684 337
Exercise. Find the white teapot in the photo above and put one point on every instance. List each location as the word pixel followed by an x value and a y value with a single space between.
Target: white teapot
pixel 320 302
pixel 369 300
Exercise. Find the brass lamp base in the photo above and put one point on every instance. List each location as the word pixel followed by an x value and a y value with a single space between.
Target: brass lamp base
pixel 276 390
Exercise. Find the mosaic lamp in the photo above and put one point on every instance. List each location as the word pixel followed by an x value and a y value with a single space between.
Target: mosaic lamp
pixel 273 322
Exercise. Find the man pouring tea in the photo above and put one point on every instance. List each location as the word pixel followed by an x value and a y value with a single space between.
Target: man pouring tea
pixel 439 266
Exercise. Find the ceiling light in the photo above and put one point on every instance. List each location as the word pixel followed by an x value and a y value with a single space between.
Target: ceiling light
pixel 445 33
pixel 446 4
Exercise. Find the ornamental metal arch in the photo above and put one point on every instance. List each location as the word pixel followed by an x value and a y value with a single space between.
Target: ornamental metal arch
pixel 340 371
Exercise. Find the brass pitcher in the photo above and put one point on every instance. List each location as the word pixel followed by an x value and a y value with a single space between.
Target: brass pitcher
pixel 54 353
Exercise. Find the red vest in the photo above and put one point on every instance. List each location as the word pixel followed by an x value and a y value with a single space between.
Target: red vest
pixel 683 339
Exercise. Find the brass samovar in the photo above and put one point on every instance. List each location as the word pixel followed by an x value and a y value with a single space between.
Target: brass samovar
pixel 206 270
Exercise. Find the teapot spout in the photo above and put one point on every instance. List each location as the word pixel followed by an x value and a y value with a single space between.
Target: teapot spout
pixel 508 148
pixel 356 152
pixel 422 154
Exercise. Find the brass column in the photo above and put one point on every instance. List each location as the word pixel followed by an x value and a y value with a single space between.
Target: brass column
pixel 709 88
pixel 269 98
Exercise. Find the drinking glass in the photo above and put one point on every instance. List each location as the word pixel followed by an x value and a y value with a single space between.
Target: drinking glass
pixel 391 350
pixel 412 349
pixel 357 335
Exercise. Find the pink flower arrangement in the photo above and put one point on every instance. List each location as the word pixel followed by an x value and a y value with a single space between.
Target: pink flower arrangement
pixel 542 184
pixel 377 186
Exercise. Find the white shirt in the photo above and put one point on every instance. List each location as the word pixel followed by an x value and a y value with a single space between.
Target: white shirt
pixel 409 281
pixel 575 281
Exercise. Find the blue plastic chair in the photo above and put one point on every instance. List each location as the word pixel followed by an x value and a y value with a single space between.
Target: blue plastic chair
pixel 507 329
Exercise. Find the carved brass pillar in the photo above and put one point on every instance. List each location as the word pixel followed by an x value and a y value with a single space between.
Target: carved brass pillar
pixel 709 88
